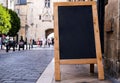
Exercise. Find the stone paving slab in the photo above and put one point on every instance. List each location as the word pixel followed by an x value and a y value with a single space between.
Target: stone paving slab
pixel 48 74
pixel 71 74
pixel 78 74
pixel 23 66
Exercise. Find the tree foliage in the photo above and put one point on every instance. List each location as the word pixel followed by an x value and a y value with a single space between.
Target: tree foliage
pixel 15 23
pixel 5 24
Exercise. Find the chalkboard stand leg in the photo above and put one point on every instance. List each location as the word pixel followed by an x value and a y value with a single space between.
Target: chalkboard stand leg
pixel 92 68
pixel 57 72
pixel 100 69
pixel 97 44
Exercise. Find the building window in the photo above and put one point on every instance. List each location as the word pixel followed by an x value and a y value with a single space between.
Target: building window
pixel 39 17
pixel 21 2
pixel 47 3
pixel 18 11
pixel 53 17
pixel 18 2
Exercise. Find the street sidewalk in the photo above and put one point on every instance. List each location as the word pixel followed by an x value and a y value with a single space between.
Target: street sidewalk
pixel 35 47
pixel 2 51
pixel 71 74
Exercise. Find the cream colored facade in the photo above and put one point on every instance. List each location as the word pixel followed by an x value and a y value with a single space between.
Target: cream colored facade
pixel 11 4
pixel 8 3
pixel 3 2
pixel 22 13
pixel 39 18
pixel 36 19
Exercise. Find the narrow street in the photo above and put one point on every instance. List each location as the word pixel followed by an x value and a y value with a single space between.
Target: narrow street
pixel 24 66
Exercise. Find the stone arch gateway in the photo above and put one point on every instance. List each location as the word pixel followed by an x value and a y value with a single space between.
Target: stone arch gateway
pixel 48 31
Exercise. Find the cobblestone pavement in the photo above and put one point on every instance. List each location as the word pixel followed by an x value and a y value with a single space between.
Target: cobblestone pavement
pixel 23 66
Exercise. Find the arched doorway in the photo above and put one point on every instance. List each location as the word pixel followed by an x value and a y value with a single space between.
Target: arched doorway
pixel 48 31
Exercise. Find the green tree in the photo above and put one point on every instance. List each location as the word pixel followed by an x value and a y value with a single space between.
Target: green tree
pixel 5 24
pixel 15 23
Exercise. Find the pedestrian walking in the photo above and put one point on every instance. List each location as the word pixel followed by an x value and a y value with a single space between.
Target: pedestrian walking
pixel 31 43
pixel 49 42
pixel 44 42
pixel 21 43
pixel 52 41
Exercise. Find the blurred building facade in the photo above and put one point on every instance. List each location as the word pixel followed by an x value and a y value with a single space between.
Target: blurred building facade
pixel 36 17
pixel 8 3
pixel 20 9
pixel 3 2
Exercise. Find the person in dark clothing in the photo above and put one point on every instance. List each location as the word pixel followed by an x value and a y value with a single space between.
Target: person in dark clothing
pixel 21 43
pixel 52 41
pixel 10 43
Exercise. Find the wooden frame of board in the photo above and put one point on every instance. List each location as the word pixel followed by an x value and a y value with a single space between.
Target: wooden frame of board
pixel 91 61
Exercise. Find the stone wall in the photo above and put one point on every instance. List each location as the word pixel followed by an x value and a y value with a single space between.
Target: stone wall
pixel 112 39
pixel 22 11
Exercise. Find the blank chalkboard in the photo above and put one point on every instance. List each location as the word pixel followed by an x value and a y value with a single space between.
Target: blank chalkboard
pixel 77 39
pixel 76 32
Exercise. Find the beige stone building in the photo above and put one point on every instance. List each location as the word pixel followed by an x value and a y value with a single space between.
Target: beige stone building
pixel 37 18
pixel 20 8
pixel 8 3
pixel 3 2
pixel 40 18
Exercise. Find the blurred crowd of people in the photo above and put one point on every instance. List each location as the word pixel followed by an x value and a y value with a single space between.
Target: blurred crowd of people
pixel 9 42
pixel 42 42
